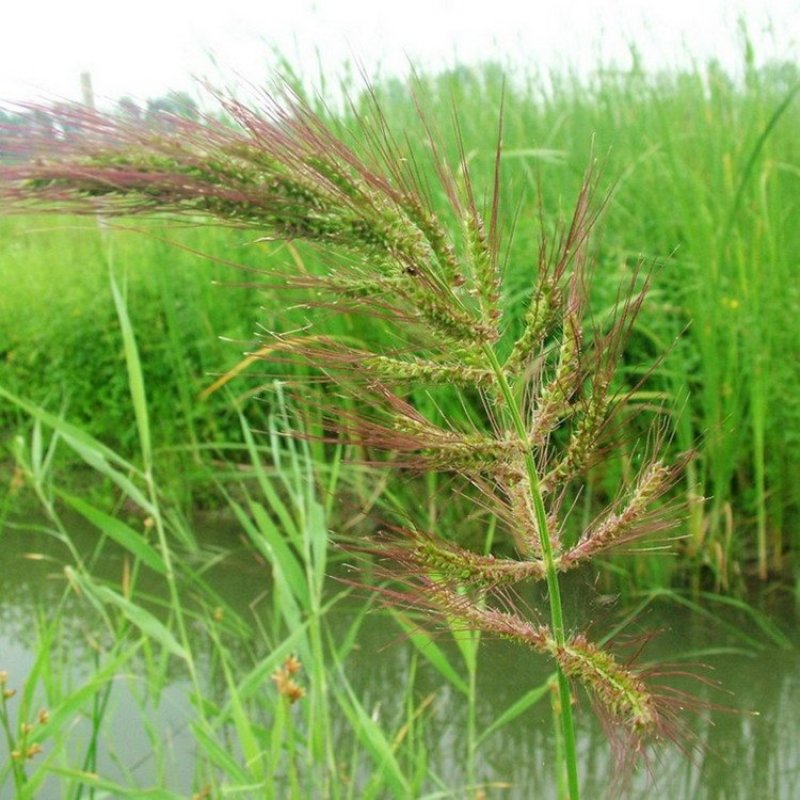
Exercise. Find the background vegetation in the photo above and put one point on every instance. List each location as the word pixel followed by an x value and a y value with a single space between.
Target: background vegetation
pixel 702 172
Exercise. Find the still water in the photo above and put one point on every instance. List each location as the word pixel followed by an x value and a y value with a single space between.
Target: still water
pixel 738 755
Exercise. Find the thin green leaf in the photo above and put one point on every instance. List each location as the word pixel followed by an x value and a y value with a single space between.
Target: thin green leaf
pixel 432 653
pixel 373 740
pixel 143 620
pixel 138 616
pixel 64 712
pixel 92 451
pixel 115 529
pixel 528 700
pixel 95 782
pixel 135 376
pixel 281 556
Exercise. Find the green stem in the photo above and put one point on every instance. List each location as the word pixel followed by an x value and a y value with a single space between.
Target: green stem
pixel 551 572
pixel 472 722
pixel 558 738
pixel 291 751
pixel 17 770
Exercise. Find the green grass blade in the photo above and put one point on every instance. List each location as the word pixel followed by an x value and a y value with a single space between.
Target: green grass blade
pixel 92 451
pixel 755 152
pixel 374 741
pixel 96 783
pixel 251 750
pixel 135 377
pixel 432 653
pixel 144 620
pixel 148 624
pixel 528 700
pixel 254 681
pixel 283 559
pixel 64 712
pixel 761 621
pixel 217 754
pixel 265 484
pixel 72 433
pixel 133 541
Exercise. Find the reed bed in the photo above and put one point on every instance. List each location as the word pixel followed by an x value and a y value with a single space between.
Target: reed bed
pixel 709 201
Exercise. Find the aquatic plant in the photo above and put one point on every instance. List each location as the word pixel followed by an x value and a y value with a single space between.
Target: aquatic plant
pixel 540 409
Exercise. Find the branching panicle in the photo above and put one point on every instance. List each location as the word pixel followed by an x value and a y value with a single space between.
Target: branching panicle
pixel 621 692
pixel 617 689
pixel 542 315
pixel 536 422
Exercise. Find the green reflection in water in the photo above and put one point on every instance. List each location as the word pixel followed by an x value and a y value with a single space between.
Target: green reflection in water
pixel 146 737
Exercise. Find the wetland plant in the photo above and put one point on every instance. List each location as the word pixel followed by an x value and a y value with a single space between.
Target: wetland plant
pixel 537 401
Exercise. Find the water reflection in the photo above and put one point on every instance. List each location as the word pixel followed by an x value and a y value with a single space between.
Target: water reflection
pixel 738 755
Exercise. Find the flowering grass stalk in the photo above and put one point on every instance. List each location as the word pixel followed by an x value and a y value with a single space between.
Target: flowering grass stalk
pixel 541 409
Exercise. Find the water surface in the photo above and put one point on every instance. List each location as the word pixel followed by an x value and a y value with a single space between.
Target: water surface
pixel 736 753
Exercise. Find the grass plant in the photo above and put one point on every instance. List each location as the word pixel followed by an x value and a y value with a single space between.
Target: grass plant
pixel 61 270
pixel 539 403
pixel 83 662
pixel 266 693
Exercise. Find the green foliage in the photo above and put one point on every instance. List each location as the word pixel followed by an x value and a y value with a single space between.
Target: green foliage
pixel 703 171
pixel 164 619
pixel 61 346
pixel 540 415
pixel 516 406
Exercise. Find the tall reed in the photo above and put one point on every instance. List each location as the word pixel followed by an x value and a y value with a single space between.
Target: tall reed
pixel 539 408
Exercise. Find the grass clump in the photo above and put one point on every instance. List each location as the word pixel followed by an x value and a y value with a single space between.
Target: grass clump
pixel 135 613
pixel 60 344
pixel 704 164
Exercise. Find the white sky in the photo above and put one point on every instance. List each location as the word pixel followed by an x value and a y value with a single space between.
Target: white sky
pixel 147 47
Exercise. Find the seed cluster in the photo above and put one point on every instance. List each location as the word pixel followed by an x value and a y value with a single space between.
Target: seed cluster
pixel 544 401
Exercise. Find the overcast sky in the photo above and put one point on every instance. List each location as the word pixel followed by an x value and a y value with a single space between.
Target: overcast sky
pixel 146 47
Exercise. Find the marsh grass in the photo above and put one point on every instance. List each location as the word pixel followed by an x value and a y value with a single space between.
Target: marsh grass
pixel 80 348
pixel 715 206
pixel 703 167
pixel 267 693
pixel 107 627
